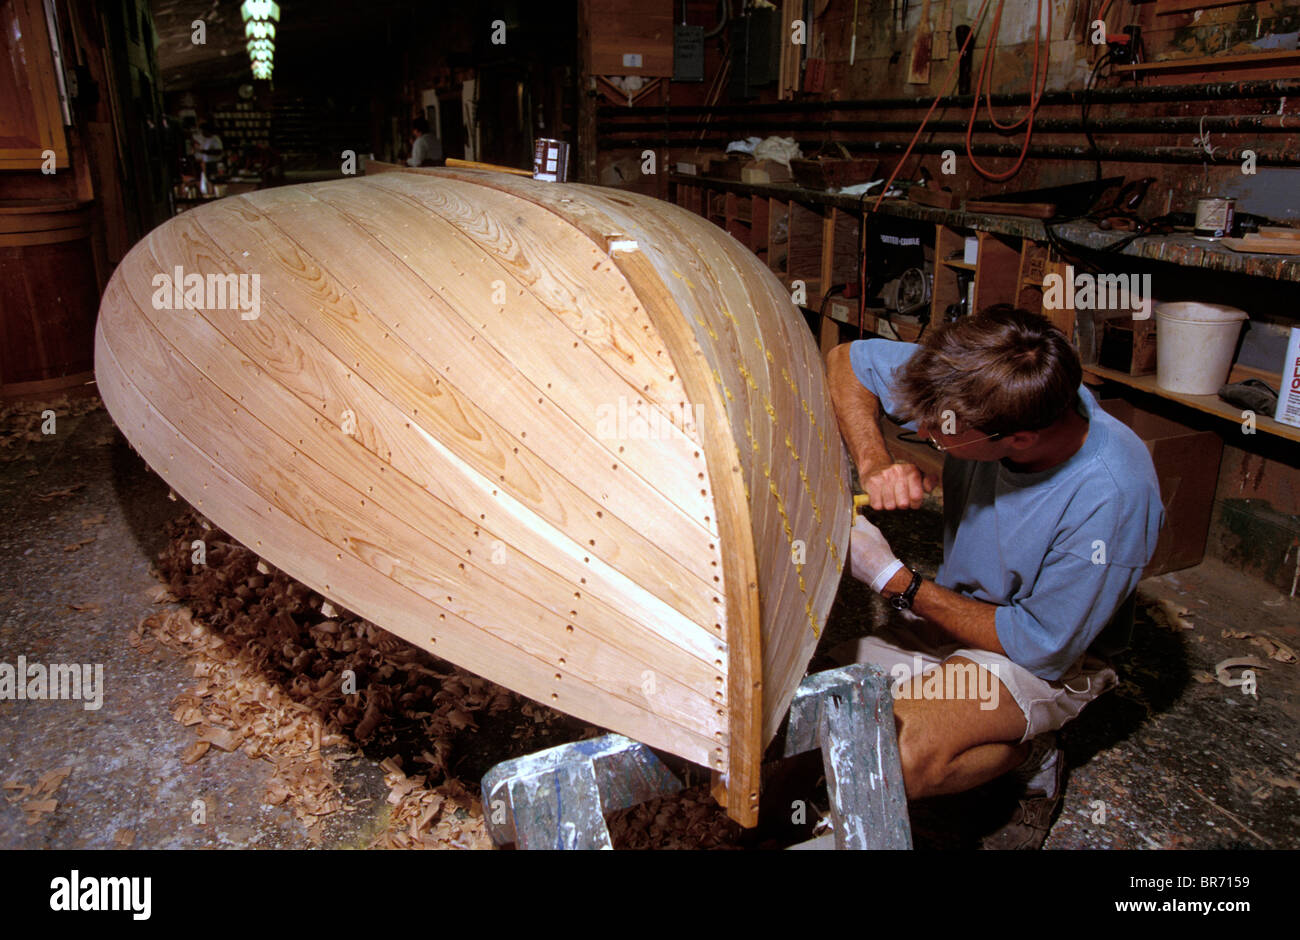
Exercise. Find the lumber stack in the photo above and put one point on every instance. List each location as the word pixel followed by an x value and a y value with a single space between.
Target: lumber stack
pixel 575 440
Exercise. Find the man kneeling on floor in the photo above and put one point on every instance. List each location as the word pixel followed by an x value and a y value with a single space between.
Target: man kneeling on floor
pixel 1051 511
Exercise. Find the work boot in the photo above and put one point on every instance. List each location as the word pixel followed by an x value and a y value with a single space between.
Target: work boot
pixel 1042 778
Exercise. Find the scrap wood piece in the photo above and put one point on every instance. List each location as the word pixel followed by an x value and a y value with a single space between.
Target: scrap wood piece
pixel 1169 615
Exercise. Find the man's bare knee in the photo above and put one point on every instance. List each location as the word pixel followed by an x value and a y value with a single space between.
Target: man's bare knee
pixel 923 765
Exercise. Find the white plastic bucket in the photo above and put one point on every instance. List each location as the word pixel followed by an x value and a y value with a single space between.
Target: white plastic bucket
pixel 1194 345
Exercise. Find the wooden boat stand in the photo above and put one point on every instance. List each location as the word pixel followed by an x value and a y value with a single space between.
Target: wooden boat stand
pixel 558 798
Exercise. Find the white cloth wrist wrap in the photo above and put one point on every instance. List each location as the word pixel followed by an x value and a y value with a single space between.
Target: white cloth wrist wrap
pixel 878 584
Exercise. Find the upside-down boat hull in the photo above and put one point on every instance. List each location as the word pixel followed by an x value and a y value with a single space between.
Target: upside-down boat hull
pixel 575 440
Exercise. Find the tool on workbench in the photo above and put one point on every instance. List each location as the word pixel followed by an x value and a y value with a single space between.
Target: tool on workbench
pixel 558 798
pixel 1068 199
pixel 1120 214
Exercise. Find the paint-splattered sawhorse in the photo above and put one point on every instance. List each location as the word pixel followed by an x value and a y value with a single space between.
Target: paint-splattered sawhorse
pixel 558 798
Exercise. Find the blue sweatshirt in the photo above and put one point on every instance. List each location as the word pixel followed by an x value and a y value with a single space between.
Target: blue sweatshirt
pixel 1059 551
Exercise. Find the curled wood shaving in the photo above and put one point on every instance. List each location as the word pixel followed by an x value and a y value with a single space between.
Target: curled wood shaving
pixel 1222 669
pixel 196 750
pixel 1274 648
pixel 60 494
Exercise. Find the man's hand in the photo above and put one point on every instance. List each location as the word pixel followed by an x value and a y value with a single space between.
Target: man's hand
pixel 870 558
pixel 897 486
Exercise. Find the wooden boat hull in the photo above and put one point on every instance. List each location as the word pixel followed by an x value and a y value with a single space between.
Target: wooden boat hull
pixel 575 440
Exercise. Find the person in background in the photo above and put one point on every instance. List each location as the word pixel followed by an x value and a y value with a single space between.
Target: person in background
pixel 426 149
pixel 1051 512
pixel 208 149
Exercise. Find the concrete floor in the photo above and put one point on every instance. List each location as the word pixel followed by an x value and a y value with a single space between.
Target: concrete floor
pixel 1165 761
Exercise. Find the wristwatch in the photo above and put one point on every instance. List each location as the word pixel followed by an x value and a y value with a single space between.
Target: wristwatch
pixel 903 601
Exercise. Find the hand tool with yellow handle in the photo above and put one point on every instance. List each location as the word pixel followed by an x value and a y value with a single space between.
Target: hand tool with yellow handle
pixel 475 165
pixel 861 501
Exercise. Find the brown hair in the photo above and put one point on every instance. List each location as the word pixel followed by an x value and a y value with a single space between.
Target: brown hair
pixel 1001 371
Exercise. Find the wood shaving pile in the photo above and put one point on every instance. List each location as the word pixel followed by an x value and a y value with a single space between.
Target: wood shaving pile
pixel 234 707
pixel 37 799
pixel 688 820
pixel 424 817
pixel 271 658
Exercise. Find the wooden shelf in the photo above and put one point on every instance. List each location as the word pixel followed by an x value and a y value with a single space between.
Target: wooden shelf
pixel 1210 404
pixel 1184 250
pixel 1218 62
pixel 813 238
pixel 898 327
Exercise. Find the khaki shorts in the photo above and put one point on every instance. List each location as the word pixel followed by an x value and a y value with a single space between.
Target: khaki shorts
pixel 909 646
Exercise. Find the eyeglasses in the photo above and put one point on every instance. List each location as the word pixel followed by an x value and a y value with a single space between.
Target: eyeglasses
pixel 929 439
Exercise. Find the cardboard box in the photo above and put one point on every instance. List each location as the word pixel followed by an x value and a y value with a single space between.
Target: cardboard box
pixel 833 172
pixel 1187 465
pixel 765 171
pixel 1128 345
pixel 727 167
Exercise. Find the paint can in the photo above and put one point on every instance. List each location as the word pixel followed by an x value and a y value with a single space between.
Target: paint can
pixel 550 160
pixel 1214 217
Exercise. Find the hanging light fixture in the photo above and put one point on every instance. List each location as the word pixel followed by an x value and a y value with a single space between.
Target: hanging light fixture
pixel 260 17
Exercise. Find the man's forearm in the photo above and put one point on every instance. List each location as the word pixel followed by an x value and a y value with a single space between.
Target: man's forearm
pixel 857 412
pixel 966 619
